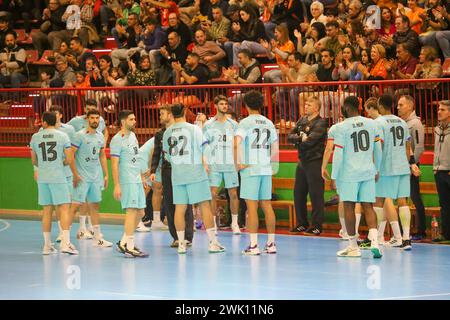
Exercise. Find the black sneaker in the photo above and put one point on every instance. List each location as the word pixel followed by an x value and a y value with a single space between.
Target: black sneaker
pixel 135 253
pixel 313 231
pixel 299 228
pixel 333 201
pixel 121 248
pixel 174 244
pixel 365 244
pixel 406 245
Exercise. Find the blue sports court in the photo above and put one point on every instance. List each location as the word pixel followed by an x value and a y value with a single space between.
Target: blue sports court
pixel 304 268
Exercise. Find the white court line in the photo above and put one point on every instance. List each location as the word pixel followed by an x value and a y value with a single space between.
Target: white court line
pixel 6 225
pixel 418 296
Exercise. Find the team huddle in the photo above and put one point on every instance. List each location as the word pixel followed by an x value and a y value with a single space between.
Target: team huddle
pixel 372 163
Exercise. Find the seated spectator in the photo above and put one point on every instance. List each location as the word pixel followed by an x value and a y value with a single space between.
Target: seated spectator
pixel 107 10
pixel 251 30
pixel 99 73
pixel 79 54
pixel 405 65
pixel 164 7
pixel 414 15
pixel 436 19
pixel 280 48
pixel 126 38
pixel 355 11
pixel 81 82
pixel 4 29
pixel 219 27
pixel 63 50
pixel 387 23
pixel 64 72
pixel 267 7
pixel 13 63
pixel 377 69
pixel 403 34
pixel 334 41
pixel 355 33
pixel 142 75
pixel 175 25
pixel 318 32
pixel 151 41
pixel 173 52
pixel 209 52
pixel 52 22
pixel 123 12
pixel 317 10
pixel 292 13
pixel 27 10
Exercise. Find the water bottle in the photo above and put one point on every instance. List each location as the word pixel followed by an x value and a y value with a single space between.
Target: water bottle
pixel 434 228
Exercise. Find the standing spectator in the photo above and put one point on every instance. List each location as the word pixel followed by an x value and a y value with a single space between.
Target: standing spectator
pixel 53 22
pixel 126 39
pixel 209 52
pixel 79 54
pixel 13 63
pixel 441 167
pixel 406 111
pixel 309 136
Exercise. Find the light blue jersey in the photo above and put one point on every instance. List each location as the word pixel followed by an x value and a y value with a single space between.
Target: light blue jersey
pixel 220 138
pixel 87 157
pixel 395 136
pixel 183 145
pixel 144 154
pixel 257 133
pixel 357 144
pixel 80 122
pixel 126 148
pixel 49 146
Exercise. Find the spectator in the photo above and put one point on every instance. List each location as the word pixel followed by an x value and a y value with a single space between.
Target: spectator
pixel 13 63
pixel 175 25
pixel 173 52
pixel 27 10
pixel 63 50
pixel 309 136
pixel 165 8
pixel 441 167
pixel 292 13
pixel 414 14
pixel 99 73
pixel 122 13
pixel 106 13
pixel 318 32
pixel 64 72
pixel 443 36
pixel 4 29
pixel 209 52
pixel 280 48
pixel 126 39
pixel 387 23
pixel 151 41
pixel 334 41
pixel 355 33
pixel 317 10
pixel 82 81
pixel 433 21
pixel 219 27
pixel 207 7
pixel 193 73
pixel 355 11
pixel 403 34
pixel 406 111
pixel 377 69
pixel 52 17
pixel 251 30
pixel 404 66
pixel 72 19
pixel 79 54
pixel 267 7
pixel 142 76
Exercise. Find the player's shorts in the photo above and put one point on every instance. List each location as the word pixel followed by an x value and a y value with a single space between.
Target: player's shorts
pixel 256 188
pixel 394 187
pixel 53 194
pixel 87 192
pixel 363 191
pixel 231 179
pixel 191 193
pixel 133 196
pixel 70 184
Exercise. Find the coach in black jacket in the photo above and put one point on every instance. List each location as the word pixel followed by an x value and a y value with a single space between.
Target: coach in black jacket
pixel 309 136
pixel 166 176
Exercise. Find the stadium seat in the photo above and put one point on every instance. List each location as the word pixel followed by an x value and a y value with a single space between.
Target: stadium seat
pixel 21 37
pixel 110 43
pixel 44 60
pixel 446 68
pixel 100 52
pixel 32 56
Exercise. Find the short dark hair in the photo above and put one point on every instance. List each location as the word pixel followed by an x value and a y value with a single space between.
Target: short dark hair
pixel 233 115
pixel 56 108
pixel 297 56
pixel 254 100
pixel 405 19
pixel 246 52
pixel 49 118
pixel 151 21
pixel 352 103
pixel 331 52
pixel 332 24
pixel 219 98
pixel 194 55
pixel 386 101
pixel 91 102
pixel 123 115
pixel 178 110
pixel 76 39
pixel 106 57
pixel 49 71
pixel 93 111
pixel 13 33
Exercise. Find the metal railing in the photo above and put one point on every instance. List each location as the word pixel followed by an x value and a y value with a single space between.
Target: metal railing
pixel 284 102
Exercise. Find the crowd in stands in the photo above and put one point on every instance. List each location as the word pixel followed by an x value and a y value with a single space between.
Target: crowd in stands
pixel 171 42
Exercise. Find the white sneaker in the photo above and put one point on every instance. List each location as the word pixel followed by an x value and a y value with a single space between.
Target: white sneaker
pixel 215 247
pixel 69 249
pixel 159 225
pixel 343 235
pixel 182 247
pixel 394 243
pixel 381 241
pixel 142 228
pixel 235 229
pixel 84 235
pixel 49 250
pixel 102 243
pixel 349 253
pixel 252 251
pixel 270 248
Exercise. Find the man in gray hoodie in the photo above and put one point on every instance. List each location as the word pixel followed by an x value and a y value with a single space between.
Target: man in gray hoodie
pixel 406 111
pixel 441 167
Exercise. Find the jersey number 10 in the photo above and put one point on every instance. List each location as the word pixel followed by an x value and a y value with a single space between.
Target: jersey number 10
pixel 360 140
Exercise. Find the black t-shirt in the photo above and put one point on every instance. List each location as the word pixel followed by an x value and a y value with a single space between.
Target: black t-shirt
pixel 201 72
pixel 325 75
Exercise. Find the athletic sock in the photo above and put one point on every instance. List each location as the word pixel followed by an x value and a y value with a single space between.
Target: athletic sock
pixel 343 227
pixel 211 234
pixel 156 216
pixel 270 238
pixel 89 223
pixel 396 229
pixel 405 217
pixel 358 220
pixel 180 236
pixel 47 239
pixel 381 221
pixel 234 219
pixel 373 236
pixel 130 242
pixel 352 242
pixel 97 233
pixel 253 239
pixel 65 237
pixel 123 241
pixel 82 223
